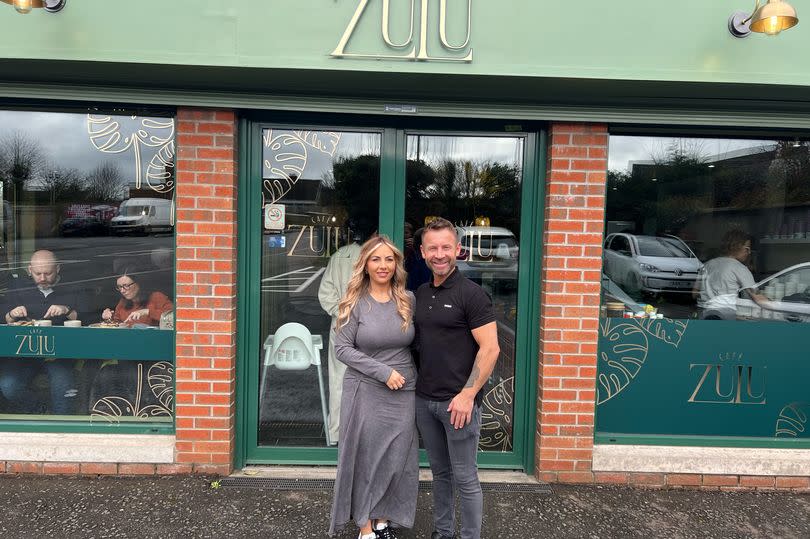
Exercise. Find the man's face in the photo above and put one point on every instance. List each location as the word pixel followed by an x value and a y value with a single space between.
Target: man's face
pixel 440 249
pixel 44 275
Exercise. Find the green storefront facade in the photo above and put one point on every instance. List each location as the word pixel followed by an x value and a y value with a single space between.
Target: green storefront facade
pixel 555 136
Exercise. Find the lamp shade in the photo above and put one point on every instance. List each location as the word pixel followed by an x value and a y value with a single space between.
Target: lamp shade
pixel 774 17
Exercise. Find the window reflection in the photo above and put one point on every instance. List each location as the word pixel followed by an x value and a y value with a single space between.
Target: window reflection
pixel 712 229
pixel 329 186
pixel 475 182
pixel 87 203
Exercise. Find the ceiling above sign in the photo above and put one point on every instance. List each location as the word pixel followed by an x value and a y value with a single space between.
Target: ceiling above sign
pixel 414 48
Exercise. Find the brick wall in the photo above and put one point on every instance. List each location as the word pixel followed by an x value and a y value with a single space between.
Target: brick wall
pixel 206 289
pixel 569 316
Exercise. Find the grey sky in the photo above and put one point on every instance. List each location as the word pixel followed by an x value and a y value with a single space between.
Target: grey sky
pixel 65 143
pixel 626 149
pixel 432 149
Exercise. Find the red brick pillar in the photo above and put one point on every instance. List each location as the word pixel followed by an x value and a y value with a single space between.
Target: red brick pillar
pixel 206 290
pixel 569 317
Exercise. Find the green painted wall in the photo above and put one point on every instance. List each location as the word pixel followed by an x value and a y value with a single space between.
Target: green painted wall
pixel 628 40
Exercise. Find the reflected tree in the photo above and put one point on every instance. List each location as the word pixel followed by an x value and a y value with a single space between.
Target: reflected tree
pixel 21 159
pixel 105 183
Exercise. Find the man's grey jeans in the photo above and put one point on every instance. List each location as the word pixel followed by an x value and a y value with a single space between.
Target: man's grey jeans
pixel 452 455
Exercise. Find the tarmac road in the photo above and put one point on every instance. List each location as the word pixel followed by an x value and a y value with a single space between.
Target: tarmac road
pixel 187 507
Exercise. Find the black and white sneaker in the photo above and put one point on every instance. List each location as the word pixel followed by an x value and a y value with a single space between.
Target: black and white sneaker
pixel 385 533
pixel 437 535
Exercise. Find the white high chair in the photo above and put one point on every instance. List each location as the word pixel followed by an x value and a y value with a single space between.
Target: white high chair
pixel 294 348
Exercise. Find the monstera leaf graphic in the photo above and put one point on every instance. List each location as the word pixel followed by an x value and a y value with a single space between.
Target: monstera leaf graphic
pixel 325 141
pixel 160 378
pixel 118 134
pixel 285 163
pixel 620 359
pixel 664 329
pixel 496 417
pixel 792 421
pixel 160 172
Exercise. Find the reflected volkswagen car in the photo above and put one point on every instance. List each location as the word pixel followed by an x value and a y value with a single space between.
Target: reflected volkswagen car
pixel 788 293
pixel 488 252
pixel 650 264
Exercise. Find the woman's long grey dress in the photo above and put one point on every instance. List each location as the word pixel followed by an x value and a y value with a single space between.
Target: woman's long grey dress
pixel 378 466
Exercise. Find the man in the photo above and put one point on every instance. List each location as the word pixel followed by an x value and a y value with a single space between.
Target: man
pixel 42 302
pixel 458 346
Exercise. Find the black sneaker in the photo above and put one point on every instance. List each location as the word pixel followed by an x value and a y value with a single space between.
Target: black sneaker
pixel 385 533
pixel 437 535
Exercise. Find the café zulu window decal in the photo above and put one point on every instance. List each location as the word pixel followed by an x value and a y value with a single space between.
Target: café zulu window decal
pixel 418 44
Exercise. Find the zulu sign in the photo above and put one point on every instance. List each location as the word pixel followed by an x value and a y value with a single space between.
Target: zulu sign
pixel 723 383
pixel 418 46
pixel 35 344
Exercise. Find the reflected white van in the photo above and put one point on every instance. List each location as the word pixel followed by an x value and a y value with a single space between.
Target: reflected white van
pixel 143 215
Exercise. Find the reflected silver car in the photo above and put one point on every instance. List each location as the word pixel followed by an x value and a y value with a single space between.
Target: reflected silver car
pixel 488 252
pixel 650 264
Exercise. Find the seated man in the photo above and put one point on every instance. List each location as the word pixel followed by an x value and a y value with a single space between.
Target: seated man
pixel 44 301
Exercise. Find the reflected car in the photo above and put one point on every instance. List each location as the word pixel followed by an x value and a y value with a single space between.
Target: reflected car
pixel 650 264
pixel 488 252
pixel 83 226
pixel 788 293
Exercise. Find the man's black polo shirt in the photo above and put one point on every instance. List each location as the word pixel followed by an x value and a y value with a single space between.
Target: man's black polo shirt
pixel 444 317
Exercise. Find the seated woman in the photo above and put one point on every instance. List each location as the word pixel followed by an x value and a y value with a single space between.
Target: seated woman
pixel 136 304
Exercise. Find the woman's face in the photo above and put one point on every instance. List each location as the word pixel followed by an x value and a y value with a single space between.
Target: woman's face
pixel 381 265
pixel 128 288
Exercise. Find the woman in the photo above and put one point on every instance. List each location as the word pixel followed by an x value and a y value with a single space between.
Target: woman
pixel 136 305
pixel 377 474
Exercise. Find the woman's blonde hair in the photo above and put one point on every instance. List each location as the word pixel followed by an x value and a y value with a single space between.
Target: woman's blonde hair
pixel 359 283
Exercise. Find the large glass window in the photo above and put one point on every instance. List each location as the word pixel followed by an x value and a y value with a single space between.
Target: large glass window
pixel 87 267
pixel 713 229
pixel 706 290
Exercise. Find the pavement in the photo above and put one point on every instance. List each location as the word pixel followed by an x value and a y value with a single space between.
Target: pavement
pixel 197 506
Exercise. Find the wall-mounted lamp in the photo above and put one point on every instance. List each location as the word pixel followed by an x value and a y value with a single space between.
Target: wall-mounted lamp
pixel 25 6
pixel 769 19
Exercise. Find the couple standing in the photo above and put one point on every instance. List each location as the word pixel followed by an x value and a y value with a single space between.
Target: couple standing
pixel 450 324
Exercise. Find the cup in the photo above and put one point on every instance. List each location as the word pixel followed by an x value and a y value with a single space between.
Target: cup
pixel 43 323
pixel 73 323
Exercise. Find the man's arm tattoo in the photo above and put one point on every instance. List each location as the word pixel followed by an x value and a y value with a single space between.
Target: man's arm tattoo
pixel 476 372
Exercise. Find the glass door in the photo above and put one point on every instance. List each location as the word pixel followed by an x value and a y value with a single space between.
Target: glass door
pixel 475 182
pixel 312 196
pixel 319 200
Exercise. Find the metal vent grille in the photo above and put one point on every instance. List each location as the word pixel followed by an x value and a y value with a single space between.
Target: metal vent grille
pixel 273 483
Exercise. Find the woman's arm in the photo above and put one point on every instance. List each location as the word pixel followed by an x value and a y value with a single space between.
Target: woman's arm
pixel 346 351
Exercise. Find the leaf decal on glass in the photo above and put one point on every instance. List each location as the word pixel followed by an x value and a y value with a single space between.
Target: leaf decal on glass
pixel 496 417
pixel 160 172
pixel 285 161
pixel 664 329
pixel 112 408
pixel 325 141
pixel 160 378
pixel 620 358
pixel 161 382
pixel 792 421
pixel 117 134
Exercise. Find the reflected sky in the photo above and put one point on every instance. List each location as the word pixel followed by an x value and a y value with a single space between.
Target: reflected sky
pixel 626 150
pixel 65 143
pixel 429 148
